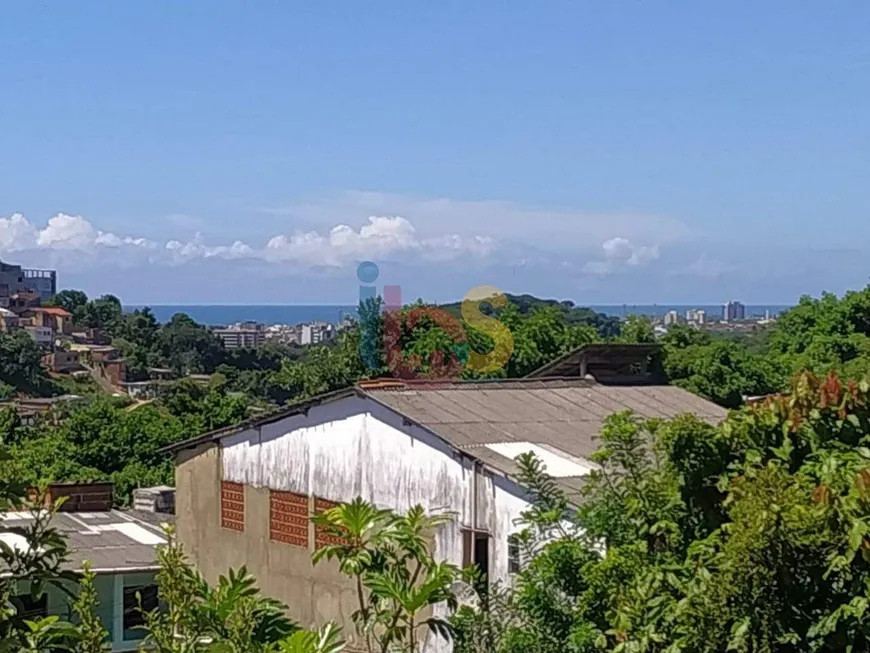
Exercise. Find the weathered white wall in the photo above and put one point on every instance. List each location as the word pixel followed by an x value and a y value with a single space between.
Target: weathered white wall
pixel 344 450
pixel 356 447
pixel 509 508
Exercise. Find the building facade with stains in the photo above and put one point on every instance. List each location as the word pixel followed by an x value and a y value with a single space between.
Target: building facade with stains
pixel 245 495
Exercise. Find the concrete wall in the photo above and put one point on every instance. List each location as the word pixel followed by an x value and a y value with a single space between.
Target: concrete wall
pixel 315 595
pixel 338 451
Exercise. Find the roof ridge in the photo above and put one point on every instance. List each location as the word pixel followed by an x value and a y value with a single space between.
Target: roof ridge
pixel 477 384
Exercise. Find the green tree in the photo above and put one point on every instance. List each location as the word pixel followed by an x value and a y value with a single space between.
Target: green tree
pixel 540 337
pixel 395 574
pixel 139 327
pixel 189 347
pixel 637 329
pixel 232 617
pixel 828 333
pixel 10 423
pixel 747 536
pixel 21 364
pixel 93 637
pixel 104 312
pixel 71 301
pixel 723 371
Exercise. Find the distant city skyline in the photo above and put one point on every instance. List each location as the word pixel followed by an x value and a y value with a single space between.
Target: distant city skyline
pixel 597 152
pixel 294 314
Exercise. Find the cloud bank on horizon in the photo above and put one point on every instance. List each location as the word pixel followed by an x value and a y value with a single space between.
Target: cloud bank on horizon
pixel 449 232
pixel 381 236
pixel 437 248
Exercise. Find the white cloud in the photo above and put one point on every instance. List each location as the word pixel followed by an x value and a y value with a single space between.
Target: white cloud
pixel 381 237
pixel 67 232
pixel 16 234
pixel 62 233
pixel 620 253
pixel 525 225
pixel 336 233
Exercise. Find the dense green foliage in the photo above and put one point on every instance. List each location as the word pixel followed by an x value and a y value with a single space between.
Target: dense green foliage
pixel 724 370
pixel 569 313
pixel 748 536
pixel 106 439
pixel 397 578
pixel 21 367
pixel 103 439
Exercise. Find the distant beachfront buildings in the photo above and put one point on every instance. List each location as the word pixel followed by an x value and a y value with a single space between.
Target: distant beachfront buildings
pixel 733 312
pixel 696 316
pixel 243 334
pixel 253 334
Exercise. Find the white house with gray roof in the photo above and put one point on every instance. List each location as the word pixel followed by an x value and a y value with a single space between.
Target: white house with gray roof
pixel 245 494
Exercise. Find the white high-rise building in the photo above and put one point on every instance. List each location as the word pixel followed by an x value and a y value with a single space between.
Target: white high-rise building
pixel 672 317
pixel 315 333
pixel 696 316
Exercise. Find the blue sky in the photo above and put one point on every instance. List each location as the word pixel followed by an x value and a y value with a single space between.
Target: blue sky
pixel 604 152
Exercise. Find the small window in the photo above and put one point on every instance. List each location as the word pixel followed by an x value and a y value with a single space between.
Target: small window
pixel 29 608
pixel 475 550
pixel 134 617
pixel 513 549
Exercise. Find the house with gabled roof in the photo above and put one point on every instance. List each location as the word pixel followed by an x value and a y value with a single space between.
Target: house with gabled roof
pixel 245 494
pixel 119 546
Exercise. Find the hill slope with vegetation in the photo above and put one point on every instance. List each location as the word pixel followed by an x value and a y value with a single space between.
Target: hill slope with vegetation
pixel 102 438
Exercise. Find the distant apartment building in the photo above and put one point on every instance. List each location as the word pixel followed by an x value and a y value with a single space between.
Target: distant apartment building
pixel 671 317
pixel 696 316
pixel 315 333
pixel 14 280
pixel 11 282
pixel 733 312
pixel 43 282
pixel 244 334
pixel 284 334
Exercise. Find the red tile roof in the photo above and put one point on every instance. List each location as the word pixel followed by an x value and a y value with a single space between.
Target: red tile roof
pixel 52 310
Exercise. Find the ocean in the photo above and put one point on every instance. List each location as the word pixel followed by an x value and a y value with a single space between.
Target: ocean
pixel 215 315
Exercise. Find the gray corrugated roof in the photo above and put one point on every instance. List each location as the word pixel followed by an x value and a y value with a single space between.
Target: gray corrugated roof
pixel 92 536
pixel 563 414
